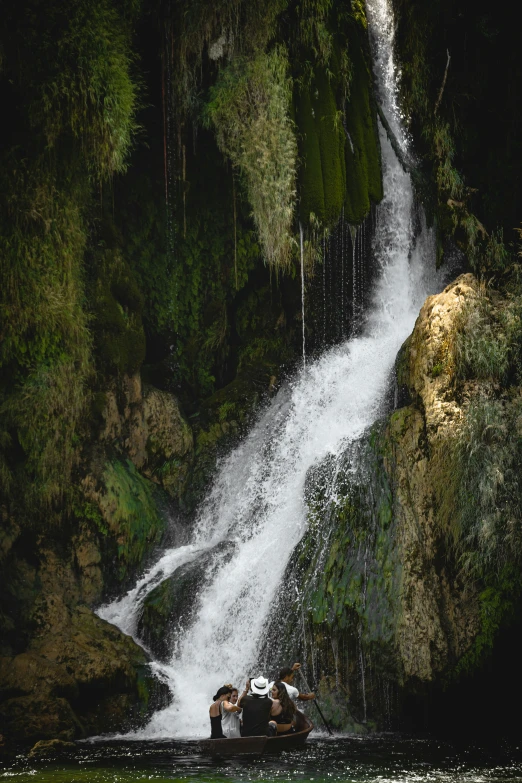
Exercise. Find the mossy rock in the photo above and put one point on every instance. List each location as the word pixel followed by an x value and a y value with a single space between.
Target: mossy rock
pixel 335 704
pixel 172 604
pixel 336 170
pixel 311 192
pixel 117 304
pixel 170 442
pixel 363 154
pixel 131 517
pixel 79 678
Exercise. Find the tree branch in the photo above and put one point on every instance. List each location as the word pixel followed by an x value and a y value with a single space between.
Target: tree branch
pixel 443 83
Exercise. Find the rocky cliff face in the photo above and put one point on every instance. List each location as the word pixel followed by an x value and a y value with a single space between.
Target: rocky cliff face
pixel 64 672
pixel 408 536
pixel 438 618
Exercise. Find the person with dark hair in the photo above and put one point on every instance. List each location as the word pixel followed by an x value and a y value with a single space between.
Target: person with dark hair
pixel 215 711
pixel 286 676
pixel 231 718
pixel 283 710
pixel 256 706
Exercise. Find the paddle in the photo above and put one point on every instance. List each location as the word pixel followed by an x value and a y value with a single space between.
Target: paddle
pixel 316 704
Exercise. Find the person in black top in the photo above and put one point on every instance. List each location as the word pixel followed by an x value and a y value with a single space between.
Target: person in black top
pixel 283 712
pixel 256 708
pixel 223 694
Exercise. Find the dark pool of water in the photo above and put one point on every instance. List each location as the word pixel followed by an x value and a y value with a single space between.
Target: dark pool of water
pixel 379 758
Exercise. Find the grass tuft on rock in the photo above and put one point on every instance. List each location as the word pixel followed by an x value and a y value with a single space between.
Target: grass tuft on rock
pixel 249 107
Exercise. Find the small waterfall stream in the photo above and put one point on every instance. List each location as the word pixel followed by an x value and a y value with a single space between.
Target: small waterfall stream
pixel 256 503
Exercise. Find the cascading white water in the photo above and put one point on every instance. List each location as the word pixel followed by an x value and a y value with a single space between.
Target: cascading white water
pixel 256 501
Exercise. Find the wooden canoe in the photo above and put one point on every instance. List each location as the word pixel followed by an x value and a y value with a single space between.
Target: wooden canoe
pixel 255 746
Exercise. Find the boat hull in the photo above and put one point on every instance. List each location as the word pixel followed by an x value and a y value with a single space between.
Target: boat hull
pixel 255 746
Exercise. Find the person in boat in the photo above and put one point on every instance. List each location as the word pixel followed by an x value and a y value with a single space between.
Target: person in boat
pixel 215 711
pixel 231 718
pixel 286 676
pixel 256 706
pixel 283 710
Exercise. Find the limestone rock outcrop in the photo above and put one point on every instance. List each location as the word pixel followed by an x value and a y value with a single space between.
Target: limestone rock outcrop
pixel 151 430
pixel 64 672
pixel 438 618
pixel 390 610
pixel 78 676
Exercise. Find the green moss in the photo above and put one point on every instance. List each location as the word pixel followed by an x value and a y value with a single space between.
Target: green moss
pixel 363 156
pixel 79 67
pixel 331 144
pixel 249 107
pixel 116 303
pixel 337 170
pixel 73 101
pixel 130 508
pixel 45 347
pixel 85 510
pixel 498 603
pixel 311 191
pixel 120 339
pixel 322 173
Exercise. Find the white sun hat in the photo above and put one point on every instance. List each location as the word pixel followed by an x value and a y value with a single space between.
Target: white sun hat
pixel 259 686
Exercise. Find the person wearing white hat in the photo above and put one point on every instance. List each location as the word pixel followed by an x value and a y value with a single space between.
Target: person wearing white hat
pixel 256 707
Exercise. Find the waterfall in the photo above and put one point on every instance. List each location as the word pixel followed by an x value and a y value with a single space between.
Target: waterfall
pixel 256 503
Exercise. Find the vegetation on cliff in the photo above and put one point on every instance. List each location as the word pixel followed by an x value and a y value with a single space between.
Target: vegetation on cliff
pixel 454 64
pixel 151 181
pixel 135 243
pixel 249 107
pixel 455 59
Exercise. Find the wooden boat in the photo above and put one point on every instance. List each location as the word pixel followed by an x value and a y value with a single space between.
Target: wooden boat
pixel 255 746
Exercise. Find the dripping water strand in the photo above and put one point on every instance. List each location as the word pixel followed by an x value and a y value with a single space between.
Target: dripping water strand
pixel 324 291
pixel 353 236
pixel 301 243
pixel 342 274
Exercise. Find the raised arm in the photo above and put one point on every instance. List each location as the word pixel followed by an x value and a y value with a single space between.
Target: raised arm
pixel 245 693
pixel 229 707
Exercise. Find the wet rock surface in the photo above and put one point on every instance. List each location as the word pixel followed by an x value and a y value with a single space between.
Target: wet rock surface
pixel 170 607
pixel 64 672
pixel 389 609
pixel 438 618
pixel 80 676
pixel 50 748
